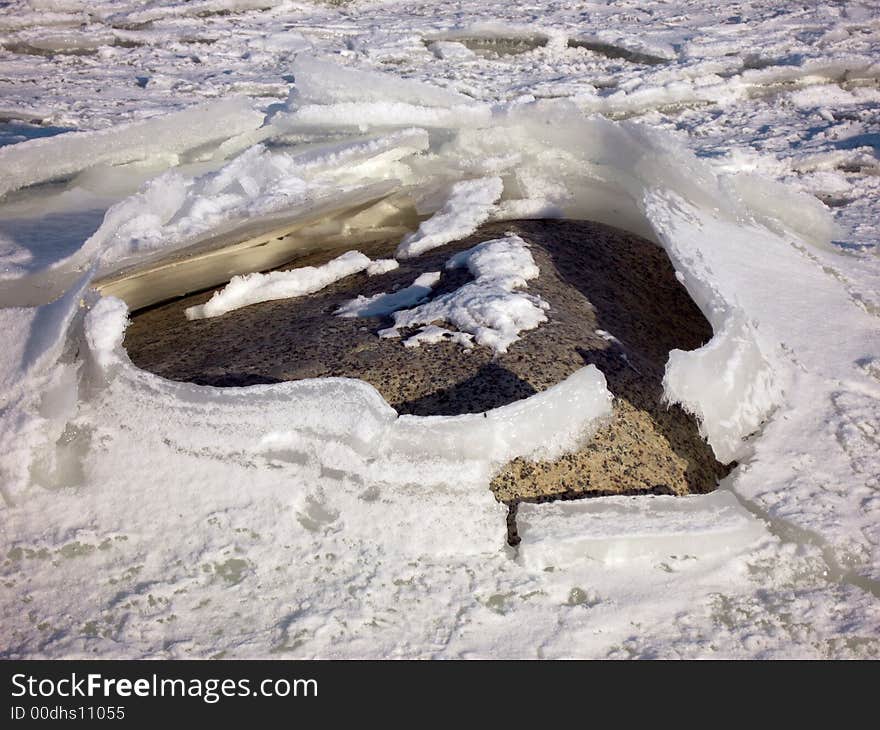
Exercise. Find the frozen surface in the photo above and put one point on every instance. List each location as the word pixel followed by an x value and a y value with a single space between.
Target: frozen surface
pixel 489 310
pixel 617 530
pixel 140 516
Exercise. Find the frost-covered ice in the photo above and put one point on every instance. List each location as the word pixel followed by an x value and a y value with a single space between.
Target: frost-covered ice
pixel 488 310
pixel 254 288
pixel 140 515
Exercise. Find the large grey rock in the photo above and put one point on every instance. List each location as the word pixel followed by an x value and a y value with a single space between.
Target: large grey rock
pixel 593 276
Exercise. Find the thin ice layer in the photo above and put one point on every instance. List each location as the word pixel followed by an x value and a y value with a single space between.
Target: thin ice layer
pixel 617 530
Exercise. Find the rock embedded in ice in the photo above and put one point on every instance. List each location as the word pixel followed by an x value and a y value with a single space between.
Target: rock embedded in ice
pixel 590 273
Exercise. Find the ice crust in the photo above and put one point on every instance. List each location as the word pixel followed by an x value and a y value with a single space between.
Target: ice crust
pixel 367 437
pixel 617 530
pixel 141 514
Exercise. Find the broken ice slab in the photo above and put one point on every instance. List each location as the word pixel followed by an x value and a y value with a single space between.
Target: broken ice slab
pixel 256 244
pixel 42 160
pixel 617 529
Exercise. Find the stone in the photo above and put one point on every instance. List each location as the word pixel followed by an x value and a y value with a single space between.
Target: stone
pixel 614 302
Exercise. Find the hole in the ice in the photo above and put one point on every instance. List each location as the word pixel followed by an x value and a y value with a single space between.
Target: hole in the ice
pixel 612 51
pixel 14 131
pixel 614 302
pixel 493 45
pixel 834 201
pixel 72 45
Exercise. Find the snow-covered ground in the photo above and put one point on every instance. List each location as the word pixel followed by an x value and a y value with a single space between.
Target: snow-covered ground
pixel 142 517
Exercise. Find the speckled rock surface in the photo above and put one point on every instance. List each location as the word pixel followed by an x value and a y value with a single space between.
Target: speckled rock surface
pixel 614 302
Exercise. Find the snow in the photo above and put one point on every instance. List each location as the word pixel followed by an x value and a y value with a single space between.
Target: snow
pixel 469 204
pixel 141 514
pixel 384 303
pixel 254 288
pixel 488 310
pixel 382 266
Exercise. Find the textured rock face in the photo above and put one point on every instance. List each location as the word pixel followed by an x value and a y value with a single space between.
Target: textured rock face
pixel 614 302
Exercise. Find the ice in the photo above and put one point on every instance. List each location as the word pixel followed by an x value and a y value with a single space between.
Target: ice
pixel 367 115
pixel 38 387
pixel 382 266
pixel 255 288
pixel 493 37
pixel 728 384
pixel 199 8
pixel 56 157
pixel 383 304
pixel 327 95
pixel 451 51
pixel 543 426
pixel 469 204
pixel 488 309
pixel 258 183
pixel 259 191
pixel 325 82
pixel 618 530
pixel 362 425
